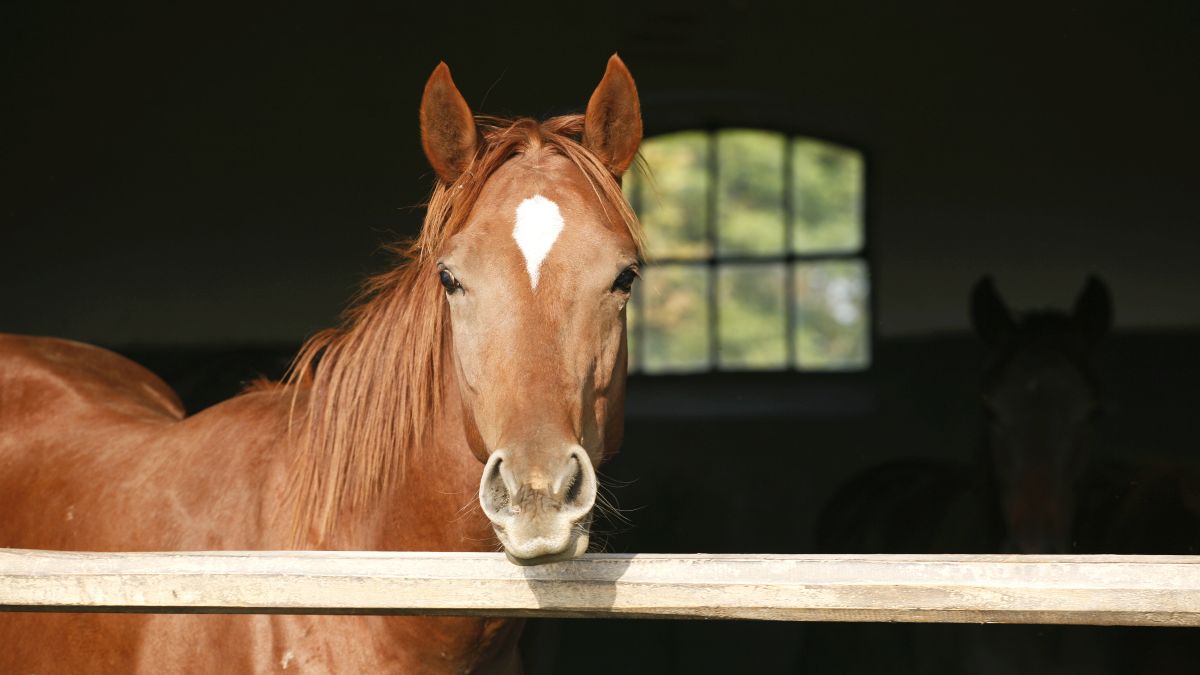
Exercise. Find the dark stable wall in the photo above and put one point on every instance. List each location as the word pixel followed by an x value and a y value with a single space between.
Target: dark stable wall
pixel 199 173
pixel 201 187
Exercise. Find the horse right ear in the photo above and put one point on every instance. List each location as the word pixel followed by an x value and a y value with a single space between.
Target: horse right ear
pixel 989 315
pixel 447 126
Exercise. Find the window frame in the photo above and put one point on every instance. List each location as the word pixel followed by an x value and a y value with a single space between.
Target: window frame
pixel 788 258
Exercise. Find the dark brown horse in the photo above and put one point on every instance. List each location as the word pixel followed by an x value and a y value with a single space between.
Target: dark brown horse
pixel 462 406
pixel 1043 400
pixel 1035 487
pixel 1041 397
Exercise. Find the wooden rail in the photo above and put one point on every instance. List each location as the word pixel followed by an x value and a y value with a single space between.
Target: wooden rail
pixel 1100 590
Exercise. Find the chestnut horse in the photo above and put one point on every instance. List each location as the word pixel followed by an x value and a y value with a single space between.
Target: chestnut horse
pixel 462 406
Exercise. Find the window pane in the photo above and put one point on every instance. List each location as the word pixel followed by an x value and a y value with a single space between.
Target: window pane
pixel 832 322
pixel 752 316
pixel 750 191
pixel 675 315
pixel 827 194
pixel 672 199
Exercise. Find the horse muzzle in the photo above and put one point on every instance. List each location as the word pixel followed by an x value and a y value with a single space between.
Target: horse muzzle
pixel 540 510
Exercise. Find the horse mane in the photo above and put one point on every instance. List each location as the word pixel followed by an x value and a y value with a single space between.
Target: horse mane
pixel 366 393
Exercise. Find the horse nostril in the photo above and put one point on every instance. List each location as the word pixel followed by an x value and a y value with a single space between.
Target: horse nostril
pixel 579 485
pixel 494 493
pixel 575 487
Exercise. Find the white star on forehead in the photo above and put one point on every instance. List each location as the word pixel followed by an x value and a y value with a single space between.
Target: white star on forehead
pixel 539 223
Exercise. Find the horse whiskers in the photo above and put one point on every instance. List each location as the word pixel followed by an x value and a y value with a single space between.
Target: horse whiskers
pixel 484 540
pixel 609 484
pixel 471 505
pixel 618 521
pixel 599 543
pixel 607 501
pixel 607 480
pixel 606 506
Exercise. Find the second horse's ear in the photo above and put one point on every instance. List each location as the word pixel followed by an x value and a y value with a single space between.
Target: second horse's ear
pixel 989 315
pixel 612 125
pixel 447 126
pixel 1093 309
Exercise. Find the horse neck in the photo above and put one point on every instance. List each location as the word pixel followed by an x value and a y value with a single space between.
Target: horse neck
pixel 434 504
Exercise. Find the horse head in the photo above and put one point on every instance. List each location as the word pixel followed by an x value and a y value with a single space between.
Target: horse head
pixel 536 275
pixel 1041 397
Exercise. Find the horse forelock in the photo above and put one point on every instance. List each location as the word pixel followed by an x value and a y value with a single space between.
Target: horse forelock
pixel 366 395
pixel 1054 333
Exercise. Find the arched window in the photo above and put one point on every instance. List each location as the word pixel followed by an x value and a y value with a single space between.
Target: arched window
pixel 757 254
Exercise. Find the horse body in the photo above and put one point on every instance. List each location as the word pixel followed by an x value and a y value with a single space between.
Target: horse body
pixel 98 456
pixel 380 437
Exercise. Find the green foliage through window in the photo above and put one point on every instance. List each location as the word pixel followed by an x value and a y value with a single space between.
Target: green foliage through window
pixel 756 254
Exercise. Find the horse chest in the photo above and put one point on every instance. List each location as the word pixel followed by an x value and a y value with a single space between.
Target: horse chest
pixel 325 644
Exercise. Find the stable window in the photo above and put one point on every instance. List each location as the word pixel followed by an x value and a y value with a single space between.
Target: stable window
pixel 757 254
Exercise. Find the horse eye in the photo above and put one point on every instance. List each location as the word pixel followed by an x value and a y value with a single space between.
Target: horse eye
pixel 624 282
pixel 448 281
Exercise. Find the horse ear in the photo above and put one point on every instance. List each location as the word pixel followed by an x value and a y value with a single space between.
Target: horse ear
pixel 447 126
pixel 1093 309
pixel 989 315
pixel 612 125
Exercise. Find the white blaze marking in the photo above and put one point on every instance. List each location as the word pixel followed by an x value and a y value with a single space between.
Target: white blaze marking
pixel 287 659
pixel 539 223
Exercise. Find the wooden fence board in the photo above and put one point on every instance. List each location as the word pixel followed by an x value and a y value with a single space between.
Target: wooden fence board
pixel 1098 590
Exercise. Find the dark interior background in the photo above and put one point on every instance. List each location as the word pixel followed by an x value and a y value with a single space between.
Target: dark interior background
pixel 202 186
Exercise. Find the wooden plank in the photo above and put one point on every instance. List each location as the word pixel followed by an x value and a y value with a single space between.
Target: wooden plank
pixel 1099 590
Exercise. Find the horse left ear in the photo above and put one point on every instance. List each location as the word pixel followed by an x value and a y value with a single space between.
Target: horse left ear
pixel 447 126
pixel 1093 309
pixel 612 125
